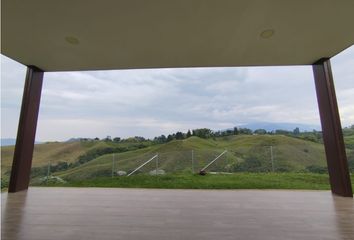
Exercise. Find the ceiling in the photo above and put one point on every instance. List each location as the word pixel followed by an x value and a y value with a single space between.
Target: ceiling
pixel 125 34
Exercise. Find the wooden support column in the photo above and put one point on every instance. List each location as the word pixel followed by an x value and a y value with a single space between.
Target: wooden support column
pixel 22 162
pixel 331 129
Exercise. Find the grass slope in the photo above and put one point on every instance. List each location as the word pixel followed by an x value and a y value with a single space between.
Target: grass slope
pixel 175 156
pixel 189 181
pixel 53 152
pixel 349 141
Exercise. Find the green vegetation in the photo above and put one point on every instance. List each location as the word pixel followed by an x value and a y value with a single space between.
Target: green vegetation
pixel 259 159
pixel 210 181
pixel 64 155
pixel 246 153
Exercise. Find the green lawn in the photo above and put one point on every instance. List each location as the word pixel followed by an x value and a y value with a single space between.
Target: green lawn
pixel 232 181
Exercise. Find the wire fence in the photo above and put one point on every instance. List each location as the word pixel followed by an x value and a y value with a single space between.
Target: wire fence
pixel 283 158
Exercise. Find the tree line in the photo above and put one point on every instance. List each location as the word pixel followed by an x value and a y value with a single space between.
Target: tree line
pixel 314 136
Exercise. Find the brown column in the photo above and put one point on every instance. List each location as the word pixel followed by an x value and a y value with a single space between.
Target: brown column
pixel 21 166
pixel 331 129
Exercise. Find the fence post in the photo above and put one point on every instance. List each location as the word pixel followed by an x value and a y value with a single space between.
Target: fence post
pixel 113 164
pixel 48 171
pixel 157 163
pixel 192 161
pixel 271 157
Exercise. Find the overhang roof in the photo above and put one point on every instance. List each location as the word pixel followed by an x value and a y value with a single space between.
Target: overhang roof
pixel 124 34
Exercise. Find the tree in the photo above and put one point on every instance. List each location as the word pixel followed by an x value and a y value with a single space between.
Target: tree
pixel 116 139
pixel 179 135
pixel 202 132
pixel 189 134
pixel 163 138
pixel 169 138
pixel 236 131
pixel 229 132
pixel 59 167
pixel 160 139
pixel 108 139
pixel 96 139
pixel 282 132
pixel 139 139
pixel 217 134
pixel 296 131
pixel 246 131
pixel 260 131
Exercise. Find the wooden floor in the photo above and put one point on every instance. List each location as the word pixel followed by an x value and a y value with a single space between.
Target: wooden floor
pixel 92 213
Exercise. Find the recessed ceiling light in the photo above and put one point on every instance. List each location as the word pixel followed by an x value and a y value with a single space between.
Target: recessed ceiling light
pixel 72 40
pixel 268 33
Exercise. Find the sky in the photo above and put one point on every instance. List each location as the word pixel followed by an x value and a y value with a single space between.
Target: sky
pixel 151 102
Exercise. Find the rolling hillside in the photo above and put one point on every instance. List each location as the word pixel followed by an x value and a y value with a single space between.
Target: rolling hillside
pixel 50 152
pixel 289 154
pixel 246 153
pixel 56 152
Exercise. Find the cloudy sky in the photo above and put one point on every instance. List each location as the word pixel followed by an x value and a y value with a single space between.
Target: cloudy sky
pixel 160 101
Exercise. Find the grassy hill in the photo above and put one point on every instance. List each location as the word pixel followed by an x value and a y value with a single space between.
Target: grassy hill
pixel 87 160
pixel 60 152
pixel 245 153
pixel 53 152
pixel 349 141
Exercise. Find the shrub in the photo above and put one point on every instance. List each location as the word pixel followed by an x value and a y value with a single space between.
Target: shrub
pixel 317 169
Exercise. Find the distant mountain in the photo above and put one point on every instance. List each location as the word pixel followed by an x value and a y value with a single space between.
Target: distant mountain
pixel 73 140
pixel 11 142
pixel 8 141
pixel 280 126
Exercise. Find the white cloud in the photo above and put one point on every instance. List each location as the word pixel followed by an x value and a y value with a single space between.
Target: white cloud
pixel 150 102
